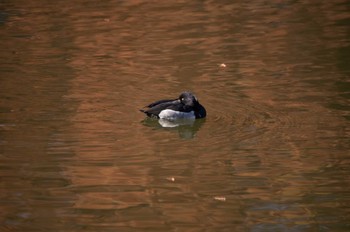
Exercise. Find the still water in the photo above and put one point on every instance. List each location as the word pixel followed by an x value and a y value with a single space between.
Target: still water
pixel 77 155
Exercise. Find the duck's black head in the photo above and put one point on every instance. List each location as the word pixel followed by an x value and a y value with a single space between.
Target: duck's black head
pixel 188 99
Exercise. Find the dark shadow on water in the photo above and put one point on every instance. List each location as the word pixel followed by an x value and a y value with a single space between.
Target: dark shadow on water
pixel 186 128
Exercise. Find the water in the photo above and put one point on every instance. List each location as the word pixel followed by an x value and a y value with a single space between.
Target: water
pixel 77 155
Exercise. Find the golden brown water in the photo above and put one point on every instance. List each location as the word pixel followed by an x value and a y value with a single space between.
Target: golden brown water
pixel 77 155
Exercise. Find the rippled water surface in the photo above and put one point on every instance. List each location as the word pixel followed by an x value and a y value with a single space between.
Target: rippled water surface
pixel 77 155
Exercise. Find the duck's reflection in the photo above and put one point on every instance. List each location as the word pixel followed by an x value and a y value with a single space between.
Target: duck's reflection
pixel 187 128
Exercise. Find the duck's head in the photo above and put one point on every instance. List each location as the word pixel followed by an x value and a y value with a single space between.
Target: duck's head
pixel 188 99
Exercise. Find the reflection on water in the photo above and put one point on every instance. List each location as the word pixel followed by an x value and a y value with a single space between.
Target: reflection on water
pixel 76 154
pixel 186 128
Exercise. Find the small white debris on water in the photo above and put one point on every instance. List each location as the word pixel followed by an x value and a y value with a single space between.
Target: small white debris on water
pixel 220 198
pixel 172 179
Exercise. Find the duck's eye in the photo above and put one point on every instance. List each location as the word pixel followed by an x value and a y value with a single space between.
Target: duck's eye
pixel 182 99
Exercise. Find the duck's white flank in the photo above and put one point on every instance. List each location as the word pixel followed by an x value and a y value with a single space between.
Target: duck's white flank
pixel 173 115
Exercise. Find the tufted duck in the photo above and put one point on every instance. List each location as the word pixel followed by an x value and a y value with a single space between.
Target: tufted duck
pixel 185 107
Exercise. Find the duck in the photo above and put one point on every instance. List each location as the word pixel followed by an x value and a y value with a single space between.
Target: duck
pixel 186 106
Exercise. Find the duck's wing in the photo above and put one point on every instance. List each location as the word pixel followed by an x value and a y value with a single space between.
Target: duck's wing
pixel 156 107
pixel 160 102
